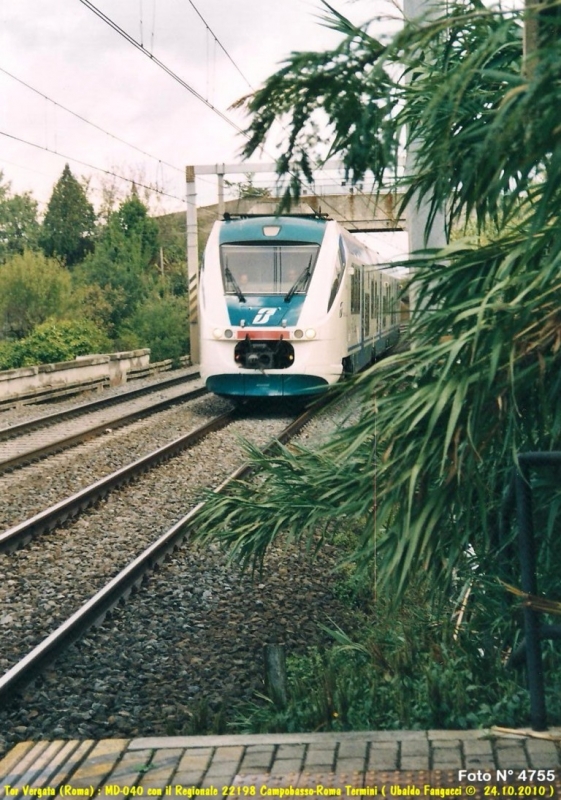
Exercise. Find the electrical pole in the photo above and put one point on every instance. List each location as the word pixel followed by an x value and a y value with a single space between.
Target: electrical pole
pixel 421 234
pixel 192 265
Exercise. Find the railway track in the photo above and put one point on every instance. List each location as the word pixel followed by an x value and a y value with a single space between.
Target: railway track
pixel 32 440
pixel 120 585
pixel 21 534
pixel 68 409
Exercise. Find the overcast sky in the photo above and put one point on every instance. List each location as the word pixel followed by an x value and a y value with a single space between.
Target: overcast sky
pixel 66 53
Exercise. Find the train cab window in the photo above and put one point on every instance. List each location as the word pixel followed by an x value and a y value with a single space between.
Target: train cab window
pixel 284 269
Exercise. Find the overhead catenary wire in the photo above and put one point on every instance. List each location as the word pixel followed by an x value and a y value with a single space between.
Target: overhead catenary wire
pixel 163 66
pixel 91 166
pixel 218 42
pixel 88 122
pixel 160 64
pixel 139 46
pixel 161 162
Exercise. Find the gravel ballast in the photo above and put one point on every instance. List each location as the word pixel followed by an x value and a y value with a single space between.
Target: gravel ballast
pixel 195 631
pixel 27 491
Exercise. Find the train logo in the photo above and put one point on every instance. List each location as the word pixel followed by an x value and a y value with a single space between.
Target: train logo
pixel 263 316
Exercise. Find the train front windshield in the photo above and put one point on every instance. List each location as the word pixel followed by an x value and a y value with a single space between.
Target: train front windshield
pixel 267 269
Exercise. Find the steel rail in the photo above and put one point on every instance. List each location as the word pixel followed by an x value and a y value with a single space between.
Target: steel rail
pixel 20 534
pixel 96 430
pixel 11 431
pixel 119 588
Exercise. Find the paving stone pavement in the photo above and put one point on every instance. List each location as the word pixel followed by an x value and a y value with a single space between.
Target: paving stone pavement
pixel 362 763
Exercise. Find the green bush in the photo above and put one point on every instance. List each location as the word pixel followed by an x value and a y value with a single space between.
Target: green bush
pixel 7 354
pixel 161 324
pixel 33 289
pixel 52 342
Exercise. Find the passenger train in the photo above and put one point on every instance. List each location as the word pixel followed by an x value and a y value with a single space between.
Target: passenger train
pixel 288 304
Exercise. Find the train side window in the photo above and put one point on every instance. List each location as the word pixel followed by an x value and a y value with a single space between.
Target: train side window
pixel 340 264
pixel 355 290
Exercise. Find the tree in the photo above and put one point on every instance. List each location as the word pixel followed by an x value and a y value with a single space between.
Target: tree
pixel 68 227
pixel 19 228
pixel 134 222
pixel 441 423
pixel 32 289
pixel 123 261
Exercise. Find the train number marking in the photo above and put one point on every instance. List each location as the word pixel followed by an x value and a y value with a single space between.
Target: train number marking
pixel 263 316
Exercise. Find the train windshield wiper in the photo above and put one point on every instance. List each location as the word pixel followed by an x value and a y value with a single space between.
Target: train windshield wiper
pixel 230 278
pixel 300 283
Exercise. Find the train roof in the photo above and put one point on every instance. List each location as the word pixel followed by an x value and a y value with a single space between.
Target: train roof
pixel 264 228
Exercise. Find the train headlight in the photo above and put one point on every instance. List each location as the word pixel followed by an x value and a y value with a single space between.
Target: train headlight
pixel 218 333
pixel 228 333
pixel 298 334
pixel 310 333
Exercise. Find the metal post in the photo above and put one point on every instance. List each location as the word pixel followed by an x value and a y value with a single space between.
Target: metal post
pixel 529 585
pixel 192 264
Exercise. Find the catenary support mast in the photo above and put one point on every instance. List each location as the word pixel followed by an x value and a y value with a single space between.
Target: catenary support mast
pixel 421 235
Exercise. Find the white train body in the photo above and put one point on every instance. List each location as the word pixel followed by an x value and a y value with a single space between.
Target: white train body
pixel 287 304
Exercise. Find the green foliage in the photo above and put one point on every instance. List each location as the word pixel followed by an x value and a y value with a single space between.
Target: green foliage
pixel 350 690
pixel 414 667
pixel 133 220
pixel 8 358
pixel 173 269
pixel 54 341
pixel 162 325
pixel 123 261
pixel 90 302
pixel 19 228
pixel 32 288
pixel 68 227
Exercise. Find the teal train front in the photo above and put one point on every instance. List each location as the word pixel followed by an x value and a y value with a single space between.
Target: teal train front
pixel 288 304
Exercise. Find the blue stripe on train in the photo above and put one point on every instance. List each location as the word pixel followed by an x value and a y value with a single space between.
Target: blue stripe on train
pixel 264 385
